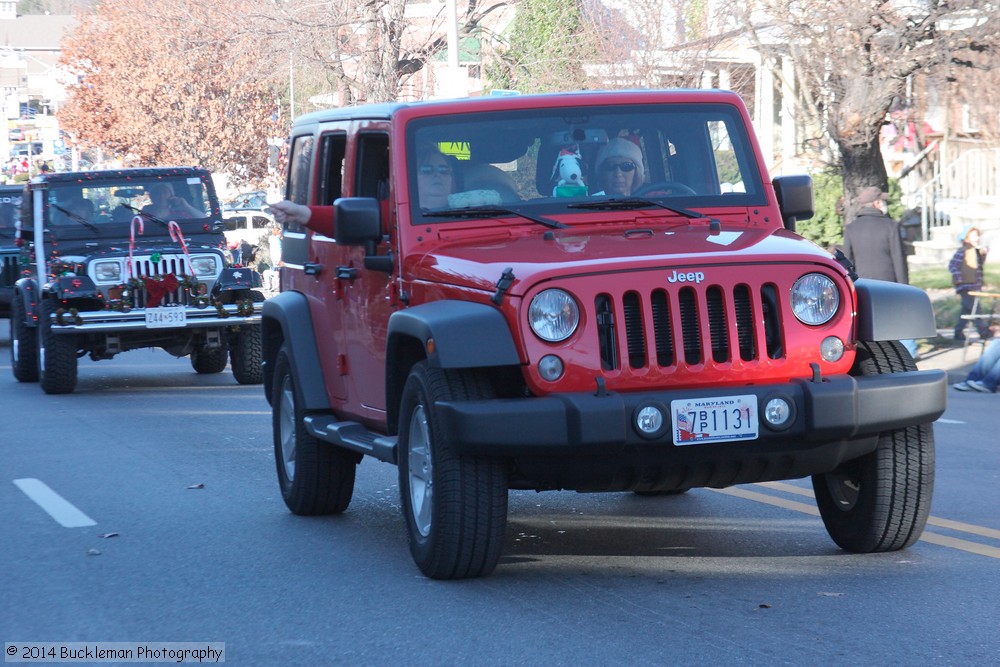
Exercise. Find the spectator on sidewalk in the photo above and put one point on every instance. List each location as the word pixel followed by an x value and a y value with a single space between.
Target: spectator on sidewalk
pixel 874 245
pixel 984 376
pixel 966 267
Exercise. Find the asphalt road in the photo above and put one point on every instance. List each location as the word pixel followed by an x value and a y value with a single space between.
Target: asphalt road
pixel 188 541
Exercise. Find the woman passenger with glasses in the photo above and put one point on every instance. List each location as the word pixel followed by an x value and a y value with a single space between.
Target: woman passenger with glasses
pixel 435 179
pixel 619 167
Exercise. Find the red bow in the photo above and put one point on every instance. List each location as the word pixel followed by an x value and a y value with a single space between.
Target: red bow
pixel 158 288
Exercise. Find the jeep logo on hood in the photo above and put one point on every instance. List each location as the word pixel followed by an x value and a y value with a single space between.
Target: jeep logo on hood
pixel 689 277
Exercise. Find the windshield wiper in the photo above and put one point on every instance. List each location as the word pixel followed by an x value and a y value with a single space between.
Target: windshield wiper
pixel 626 203
pixel 148 216
pixel 487 211
pixel 76 218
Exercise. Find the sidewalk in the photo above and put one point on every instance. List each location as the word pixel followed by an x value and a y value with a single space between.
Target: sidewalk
pixel 947 355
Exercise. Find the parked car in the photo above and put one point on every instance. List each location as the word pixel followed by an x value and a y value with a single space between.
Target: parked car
pixel 105 270
pixel 247 225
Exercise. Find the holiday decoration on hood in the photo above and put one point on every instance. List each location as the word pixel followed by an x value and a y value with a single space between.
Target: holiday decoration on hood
pixel 137 220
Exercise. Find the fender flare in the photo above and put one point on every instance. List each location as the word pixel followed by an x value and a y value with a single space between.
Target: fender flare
pixel 26 289
pixel 893 311
pixel 286 321
pixel 465 334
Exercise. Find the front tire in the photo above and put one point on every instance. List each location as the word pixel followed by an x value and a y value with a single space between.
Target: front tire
pixel 880 502
pixel 315 477
pixel 56 355
pixel 246 355
pixel 23 343
pixel 455 506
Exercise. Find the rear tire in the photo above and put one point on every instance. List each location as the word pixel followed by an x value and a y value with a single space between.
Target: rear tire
pixel 455 506
pixel 56 355
pixel 206 360
pixel 23 343
pixel 246 355
pixel 880 502
pixel 315 477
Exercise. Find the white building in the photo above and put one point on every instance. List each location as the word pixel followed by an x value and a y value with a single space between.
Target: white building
pixel 30 82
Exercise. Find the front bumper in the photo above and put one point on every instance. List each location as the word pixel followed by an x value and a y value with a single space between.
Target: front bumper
pixel 835 409
pixel 111 321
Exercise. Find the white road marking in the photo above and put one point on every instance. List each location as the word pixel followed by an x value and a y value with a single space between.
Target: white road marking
pixel 942 420
pixel 60 509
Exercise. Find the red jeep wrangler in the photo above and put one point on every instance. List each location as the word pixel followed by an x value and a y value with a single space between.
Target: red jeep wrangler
pixel 592 291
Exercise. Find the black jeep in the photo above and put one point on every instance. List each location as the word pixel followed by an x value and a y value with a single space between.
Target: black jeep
pixel 126 259
pixel 10 203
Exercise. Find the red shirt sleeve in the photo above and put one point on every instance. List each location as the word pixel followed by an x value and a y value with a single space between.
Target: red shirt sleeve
pixel 321 220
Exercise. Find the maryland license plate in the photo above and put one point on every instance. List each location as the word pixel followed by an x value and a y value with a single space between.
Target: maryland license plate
pixel 723 419
pixel 166 316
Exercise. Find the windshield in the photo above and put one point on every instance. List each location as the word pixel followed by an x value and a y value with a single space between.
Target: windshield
pixel 99 205
pixel 561 160
pixel 10 207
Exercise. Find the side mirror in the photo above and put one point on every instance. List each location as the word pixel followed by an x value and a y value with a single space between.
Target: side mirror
pixel 795 198
pixel 357 221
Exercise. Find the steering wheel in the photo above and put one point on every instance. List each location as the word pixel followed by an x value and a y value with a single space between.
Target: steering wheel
pixel 664 187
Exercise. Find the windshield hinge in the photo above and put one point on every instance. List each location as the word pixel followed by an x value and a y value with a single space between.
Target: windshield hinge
pixel 506 279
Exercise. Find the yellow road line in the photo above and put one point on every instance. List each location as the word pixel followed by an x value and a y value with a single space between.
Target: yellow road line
pixel 932 538
pixel 959 526
pixel 962 545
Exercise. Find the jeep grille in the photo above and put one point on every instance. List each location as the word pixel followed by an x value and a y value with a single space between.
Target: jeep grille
pixel 143 267
pixel 677 323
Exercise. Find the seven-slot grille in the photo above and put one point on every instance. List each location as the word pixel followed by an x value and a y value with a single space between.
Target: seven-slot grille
pixel 144 267
pixel 664 327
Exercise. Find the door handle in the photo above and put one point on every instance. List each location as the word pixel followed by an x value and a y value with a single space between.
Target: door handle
pixel 312 269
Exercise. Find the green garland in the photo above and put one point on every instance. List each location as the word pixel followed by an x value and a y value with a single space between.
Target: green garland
pixel 73 313
pixel 197 291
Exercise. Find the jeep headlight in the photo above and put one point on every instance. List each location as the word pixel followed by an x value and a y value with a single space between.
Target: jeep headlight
pixel 203 266
pixel 553 315
pixel 815 299
pixel 108 271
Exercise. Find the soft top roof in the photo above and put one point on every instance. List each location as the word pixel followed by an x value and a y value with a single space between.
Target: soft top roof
pixel 498 102
pixel 118 174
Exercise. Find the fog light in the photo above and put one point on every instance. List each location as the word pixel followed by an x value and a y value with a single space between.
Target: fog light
pixel 550 367
pixel 831 349
pixel 778 412
pixel 650 421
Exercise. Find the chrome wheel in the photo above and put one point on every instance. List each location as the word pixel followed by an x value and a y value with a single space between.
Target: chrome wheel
pixel 286 426
pixel 421 468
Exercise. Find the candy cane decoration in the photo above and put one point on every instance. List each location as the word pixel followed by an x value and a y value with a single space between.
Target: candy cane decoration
pixel 176 235
pixel 131 244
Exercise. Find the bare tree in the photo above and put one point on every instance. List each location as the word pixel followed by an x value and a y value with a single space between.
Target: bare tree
pixel 166 82
pixel 852 60
pixel 367 51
